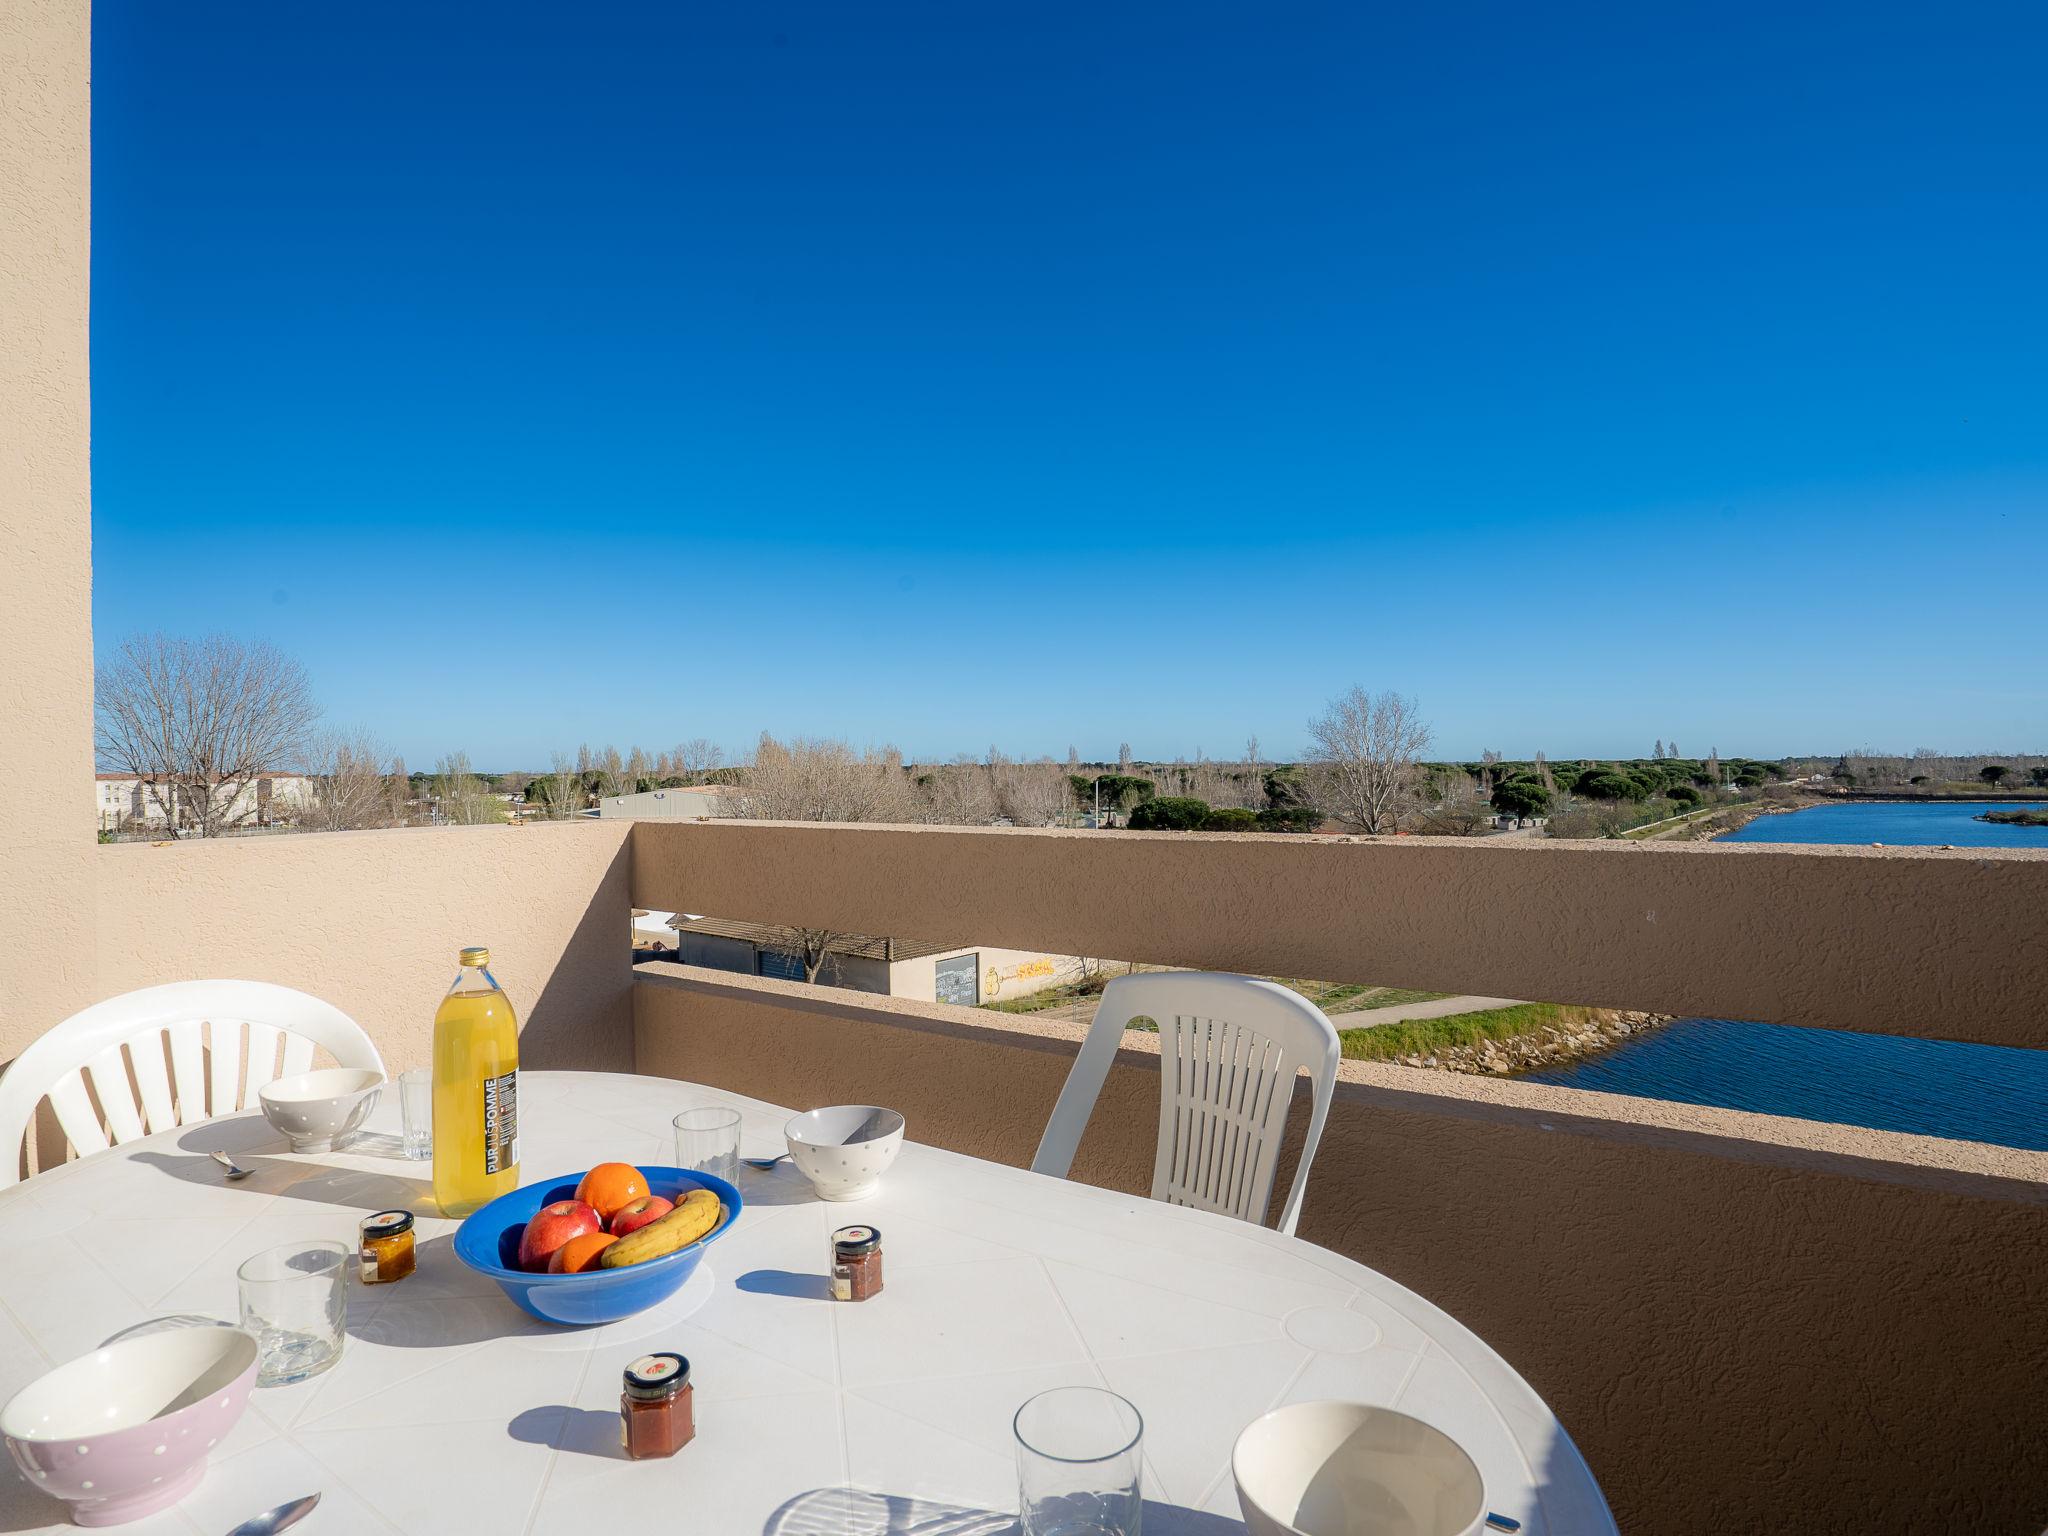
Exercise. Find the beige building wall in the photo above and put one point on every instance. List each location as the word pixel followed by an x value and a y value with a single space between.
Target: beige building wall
pixel 1016 973
pixel 371 921
pixel 46 832
pixel 1747 1324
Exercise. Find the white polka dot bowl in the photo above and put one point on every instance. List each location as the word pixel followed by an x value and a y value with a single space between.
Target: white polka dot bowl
pixel 318 1111
pixel 125 1431
pixel 845 1150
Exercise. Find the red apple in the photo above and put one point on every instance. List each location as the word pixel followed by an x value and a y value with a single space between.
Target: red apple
pixel 637 1213
pixel 552 1226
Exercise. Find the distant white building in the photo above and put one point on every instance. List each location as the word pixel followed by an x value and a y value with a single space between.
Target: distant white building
pixel 125 803
pixel 684 804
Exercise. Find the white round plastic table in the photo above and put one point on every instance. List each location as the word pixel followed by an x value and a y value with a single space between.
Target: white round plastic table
pixel 452 1411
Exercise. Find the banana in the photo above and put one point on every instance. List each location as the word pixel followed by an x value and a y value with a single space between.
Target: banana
pixel 695 1214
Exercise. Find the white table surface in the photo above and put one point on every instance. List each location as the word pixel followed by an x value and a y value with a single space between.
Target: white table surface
pixel 452 1411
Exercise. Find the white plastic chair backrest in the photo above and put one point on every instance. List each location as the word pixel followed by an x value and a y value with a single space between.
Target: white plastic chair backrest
pixel 1229 1049
pixel 120 1045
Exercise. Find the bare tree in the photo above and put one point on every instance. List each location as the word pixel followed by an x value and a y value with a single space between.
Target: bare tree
pixel 1363 754
pixel 611 773
pixel 460 796
pixel 398 795
pixel 1036 794
pixel 1453 805
pixel 565 791
pixel 961 793
pixel 811 946
pixel 201 722
pixel 638 767
pixel 350 790
pixel 1123 758
pixel 824 781
pixel 691 758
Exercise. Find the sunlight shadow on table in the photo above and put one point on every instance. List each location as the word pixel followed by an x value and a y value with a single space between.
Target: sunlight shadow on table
pixel 355 1187
pixel 579 1431
pixel 853 1512
pixel 779 1186
pixel 785 1282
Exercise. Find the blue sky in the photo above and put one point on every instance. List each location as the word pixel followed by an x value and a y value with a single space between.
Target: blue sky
pixel 1039 375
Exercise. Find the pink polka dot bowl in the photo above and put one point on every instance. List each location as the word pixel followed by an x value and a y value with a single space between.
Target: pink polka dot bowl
pixel 126 1430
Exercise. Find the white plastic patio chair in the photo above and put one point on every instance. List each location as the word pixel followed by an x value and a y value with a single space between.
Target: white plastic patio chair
pixel 207 1025
pixel 1229 1048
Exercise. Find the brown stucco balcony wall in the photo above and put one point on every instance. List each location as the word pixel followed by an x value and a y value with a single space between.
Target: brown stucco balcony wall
pixel 1897 941
pixel 1747 1324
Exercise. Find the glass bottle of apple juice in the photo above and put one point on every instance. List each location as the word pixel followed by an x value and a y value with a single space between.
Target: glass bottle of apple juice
pixel 476 1090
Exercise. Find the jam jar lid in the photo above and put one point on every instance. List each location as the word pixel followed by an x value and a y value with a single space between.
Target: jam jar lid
pixel 657 1376
pixel 386 1224
pixel 852 1242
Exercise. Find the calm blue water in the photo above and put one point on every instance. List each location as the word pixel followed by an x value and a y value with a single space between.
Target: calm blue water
pixel 1932 1087
pixel 1883 821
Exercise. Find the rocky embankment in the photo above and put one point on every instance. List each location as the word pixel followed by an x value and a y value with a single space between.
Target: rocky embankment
pixel 1548 1046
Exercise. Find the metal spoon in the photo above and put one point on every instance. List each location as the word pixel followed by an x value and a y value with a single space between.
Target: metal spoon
pixel 234 1173
pixel 764 1163
pixel 273 1520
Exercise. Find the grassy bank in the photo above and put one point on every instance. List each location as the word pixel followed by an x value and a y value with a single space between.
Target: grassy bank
pixel 1334 998
pixel 1424 1037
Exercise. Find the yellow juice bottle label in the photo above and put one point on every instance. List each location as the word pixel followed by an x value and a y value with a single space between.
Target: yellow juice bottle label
pixel 501 1123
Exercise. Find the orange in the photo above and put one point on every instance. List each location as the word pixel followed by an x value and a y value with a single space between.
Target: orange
pixel 579 1253
pixel 610 1185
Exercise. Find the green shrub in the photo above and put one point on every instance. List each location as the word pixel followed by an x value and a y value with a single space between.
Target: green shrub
pixel 1521 798
pixel 1290 818
pixel 1231 818
pixel 1170 813
pixel 1611 786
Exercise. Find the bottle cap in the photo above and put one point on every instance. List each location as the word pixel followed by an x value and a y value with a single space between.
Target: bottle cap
pixel 653 1377
pixel 852 1242
pixel 386 1224
pixel 476 954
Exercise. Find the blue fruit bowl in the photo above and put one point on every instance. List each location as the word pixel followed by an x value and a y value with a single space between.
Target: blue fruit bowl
pixel 488 1242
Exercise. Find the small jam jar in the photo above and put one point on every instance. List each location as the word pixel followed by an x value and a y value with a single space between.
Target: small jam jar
pixel 856 1263
pixel 657 1416
pixel 387 1247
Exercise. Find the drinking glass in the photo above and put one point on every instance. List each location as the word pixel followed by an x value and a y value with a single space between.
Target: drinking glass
pixel 295 1300
pixel 1078 1452
pixel 416 1099
pixel 708 1141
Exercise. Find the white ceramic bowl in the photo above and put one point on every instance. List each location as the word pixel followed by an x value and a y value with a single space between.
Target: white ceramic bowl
pixel 1345 1469
pixel 125 1431
pixel 845 1150
pixel 318 1109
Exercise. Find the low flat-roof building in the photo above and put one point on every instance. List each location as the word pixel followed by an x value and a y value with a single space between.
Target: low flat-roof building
pixel 944 972
pixel 685 803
